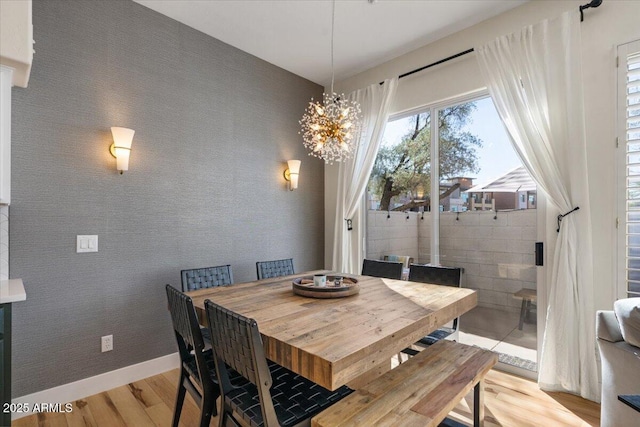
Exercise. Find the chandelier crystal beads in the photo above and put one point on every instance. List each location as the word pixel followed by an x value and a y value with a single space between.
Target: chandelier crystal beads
pixel 329 127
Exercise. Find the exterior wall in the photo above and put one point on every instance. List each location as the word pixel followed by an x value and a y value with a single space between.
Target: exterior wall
pixel 497 254
pixel 396 235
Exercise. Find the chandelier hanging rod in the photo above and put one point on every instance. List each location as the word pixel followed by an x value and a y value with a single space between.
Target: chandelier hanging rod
pixel 333 24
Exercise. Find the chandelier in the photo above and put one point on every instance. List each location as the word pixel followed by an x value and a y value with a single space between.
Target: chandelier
pixel 329 128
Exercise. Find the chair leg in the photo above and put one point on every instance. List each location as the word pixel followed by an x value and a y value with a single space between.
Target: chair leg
pixel 205 417
pixel 227 420
pixel 223 415
pixel 214 405
pixel 207 408
pixel 179 399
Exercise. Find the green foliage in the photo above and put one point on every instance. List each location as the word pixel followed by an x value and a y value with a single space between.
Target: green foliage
pixel 404 168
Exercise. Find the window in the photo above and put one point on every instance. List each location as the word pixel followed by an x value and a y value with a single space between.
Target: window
pixel 458 162
pixel 629 120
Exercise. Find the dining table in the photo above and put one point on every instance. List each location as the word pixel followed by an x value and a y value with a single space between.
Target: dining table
pixel 339 341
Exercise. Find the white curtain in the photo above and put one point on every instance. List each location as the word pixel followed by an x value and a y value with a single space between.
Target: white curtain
pixel 353 175
pixel 535 79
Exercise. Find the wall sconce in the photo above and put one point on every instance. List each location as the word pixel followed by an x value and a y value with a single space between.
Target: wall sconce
pixel 121 147
pixel 292 173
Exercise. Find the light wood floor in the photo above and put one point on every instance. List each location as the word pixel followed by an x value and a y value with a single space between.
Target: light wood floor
pixel 509 401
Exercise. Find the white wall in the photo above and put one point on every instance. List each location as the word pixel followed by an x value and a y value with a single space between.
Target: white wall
pixel 612 24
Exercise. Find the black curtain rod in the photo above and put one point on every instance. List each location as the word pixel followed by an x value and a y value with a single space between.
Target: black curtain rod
pixel 449 58
pixel 594 3
pixel 433 64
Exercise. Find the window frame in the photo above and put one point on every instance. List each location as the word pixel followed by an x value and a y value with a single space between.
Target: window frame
pixel 623 51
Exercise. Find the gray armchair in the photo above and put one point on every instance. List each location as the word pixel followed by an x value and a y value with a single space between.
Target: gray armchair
pixel 620 372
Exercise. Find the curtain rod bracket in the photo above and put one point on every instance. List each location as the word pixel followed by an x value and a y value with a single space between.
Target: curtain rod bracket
pixel 592 3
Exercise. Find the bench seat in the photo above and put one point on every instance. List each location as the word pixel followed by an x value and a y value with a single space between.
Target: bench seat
pixel 419 392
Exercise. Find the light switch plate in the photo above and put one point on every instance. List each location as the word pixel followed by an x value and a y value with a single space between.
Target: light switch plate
pixel 87 243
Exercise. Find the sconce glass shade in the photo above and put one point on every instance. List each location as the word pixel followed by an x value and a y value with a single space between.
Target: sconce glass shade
pixel 294 173
pixel 121 148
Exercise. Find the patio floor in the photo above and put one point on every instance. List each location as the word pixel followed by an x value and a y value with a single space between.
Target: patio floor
pixel 497 330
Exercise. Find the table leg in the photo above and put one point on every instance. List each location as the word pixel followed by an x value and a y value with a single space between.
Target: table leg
pixel 478 405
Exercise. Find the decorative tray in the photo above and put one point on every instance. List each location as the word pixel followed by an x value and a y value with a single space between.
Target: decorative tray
pixel 304 286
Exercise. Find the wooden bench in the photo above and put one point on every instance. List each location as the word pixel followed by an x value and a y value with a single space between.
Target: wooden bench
pixel 419 392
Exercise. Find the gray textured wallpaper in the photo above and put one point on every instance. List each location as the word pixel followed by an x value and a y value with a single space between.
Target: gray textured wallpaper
pixel 214 128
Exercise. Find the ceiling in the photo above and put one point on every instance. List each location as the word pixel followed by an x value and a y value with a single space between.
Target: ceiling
pixel 296 34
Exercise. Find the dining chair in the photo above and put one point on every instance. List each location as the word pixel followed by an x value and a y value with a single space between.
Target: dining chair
pixel 386 269
pixel 274 395
pixel 197 370
pixel 437 275
pixel 207 277
pixel 275 268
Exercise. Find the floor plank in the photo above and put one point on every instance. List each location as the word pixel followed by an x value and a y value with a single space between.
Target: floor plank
pixel 104 411
pixel 510 401
pixel 515 401
pixel 160 414
pixel 129 407
pixel 190 415
pixel 51 419
pixel 30 421
pixel 81 415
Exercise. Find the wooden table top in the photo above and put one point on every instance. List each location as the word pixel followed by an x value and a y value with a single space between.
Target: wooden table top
pixel 334 341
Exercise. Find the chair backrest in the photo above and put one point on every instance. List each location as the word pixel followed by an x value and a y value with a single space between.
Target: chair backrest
pixel 386 269
pixel 441 275
pixel 187 330
pixel 208 277
pixel 236 341
pixel 275 268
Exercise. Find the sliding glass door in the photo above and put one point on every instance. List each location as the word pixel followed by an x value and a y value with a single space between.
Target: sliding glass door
pixel 451 191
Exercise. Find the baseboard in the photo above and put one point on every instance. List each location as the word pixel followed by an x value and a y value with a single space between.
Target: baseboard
pixel 97 384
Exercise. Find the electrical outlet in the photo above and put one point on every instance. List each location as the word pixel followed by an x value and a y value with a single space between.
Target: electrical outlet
pixel 107 343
